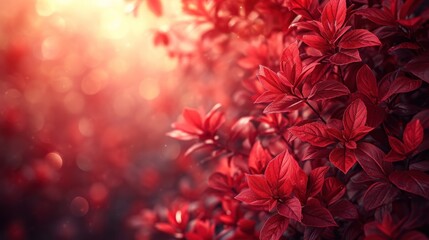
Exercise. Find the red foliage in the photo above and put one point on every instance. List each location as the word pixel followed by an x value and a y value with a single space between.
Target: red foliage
pixel 341 147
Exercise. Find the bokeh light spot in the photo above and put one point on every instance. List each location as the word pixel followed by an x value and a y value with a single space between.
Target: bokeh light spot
pixel 79 206
pixel 148 89
pixel 93 82
pixel 54 159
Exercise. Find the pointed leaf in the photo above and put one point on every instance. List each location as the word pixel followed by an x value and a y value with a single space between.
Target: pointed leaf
pixel 291 209
pixel 358 38
pixel 354 117
pixel 370 159
pixel 342 158
pixel 412 181
pixel 317 216
pixel 378 194
pixel 366 83
pixel 314 133
pixel 327 90
pixel 334 15
pixel 345 56
pixel 413 135
pixel 274 227
pixel 401 85
pixel 316 180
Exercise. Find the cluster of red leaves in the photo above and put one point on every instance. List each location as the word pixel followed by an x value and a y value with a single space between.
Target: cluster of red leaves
pixel 337 142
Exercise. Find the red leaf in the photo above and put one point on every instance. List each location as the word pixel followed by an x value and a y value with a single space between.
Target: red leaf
pixel 371 158
pixel 291 209
pixel 258 158
pixel 366 83
pixel 155 6
pixel 345 56
pixel 413 135
pixel 401 85
pixel 219 181
pixel 334 15
pixel 315 41
pixel 284 104
pixel 290 63
pixel 274 227
pixel 332 190
pixel 259 185
pixel 315 181
pixel 314 133
pixel 327 90
pixel 419 67
pixel 282 173
pixel 377 16
pixel 317 216
pixel 412 181
pixel 358 38
pixel 342 158
pixel 378 194
pixel 249 197
pixel 354 117
pixel 344 209
pixel 270 80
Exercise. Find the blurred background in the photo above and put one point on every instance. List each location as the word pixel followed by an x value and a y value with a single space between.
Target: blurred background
pixel 85 101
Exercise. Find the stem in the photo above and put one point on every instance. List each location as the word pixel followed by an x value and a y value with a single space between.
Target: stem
pixel 316 112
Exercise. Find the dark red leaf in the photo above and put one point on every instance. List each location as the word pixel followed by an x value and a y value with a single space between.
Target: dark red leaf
pixel 291 209
pixel 314 133
pixel 358 38
pixel 332 190
pixel 343 209
pixel 401 85
pixel 378 194
pixel 371 159
pixel 317 216
pixel 412 181
pixel 419 67
pixel 274 227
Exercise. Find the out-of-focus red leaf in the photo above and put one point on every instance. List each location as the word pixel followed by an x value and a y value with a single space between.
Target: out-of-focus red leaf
pixel 155 6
